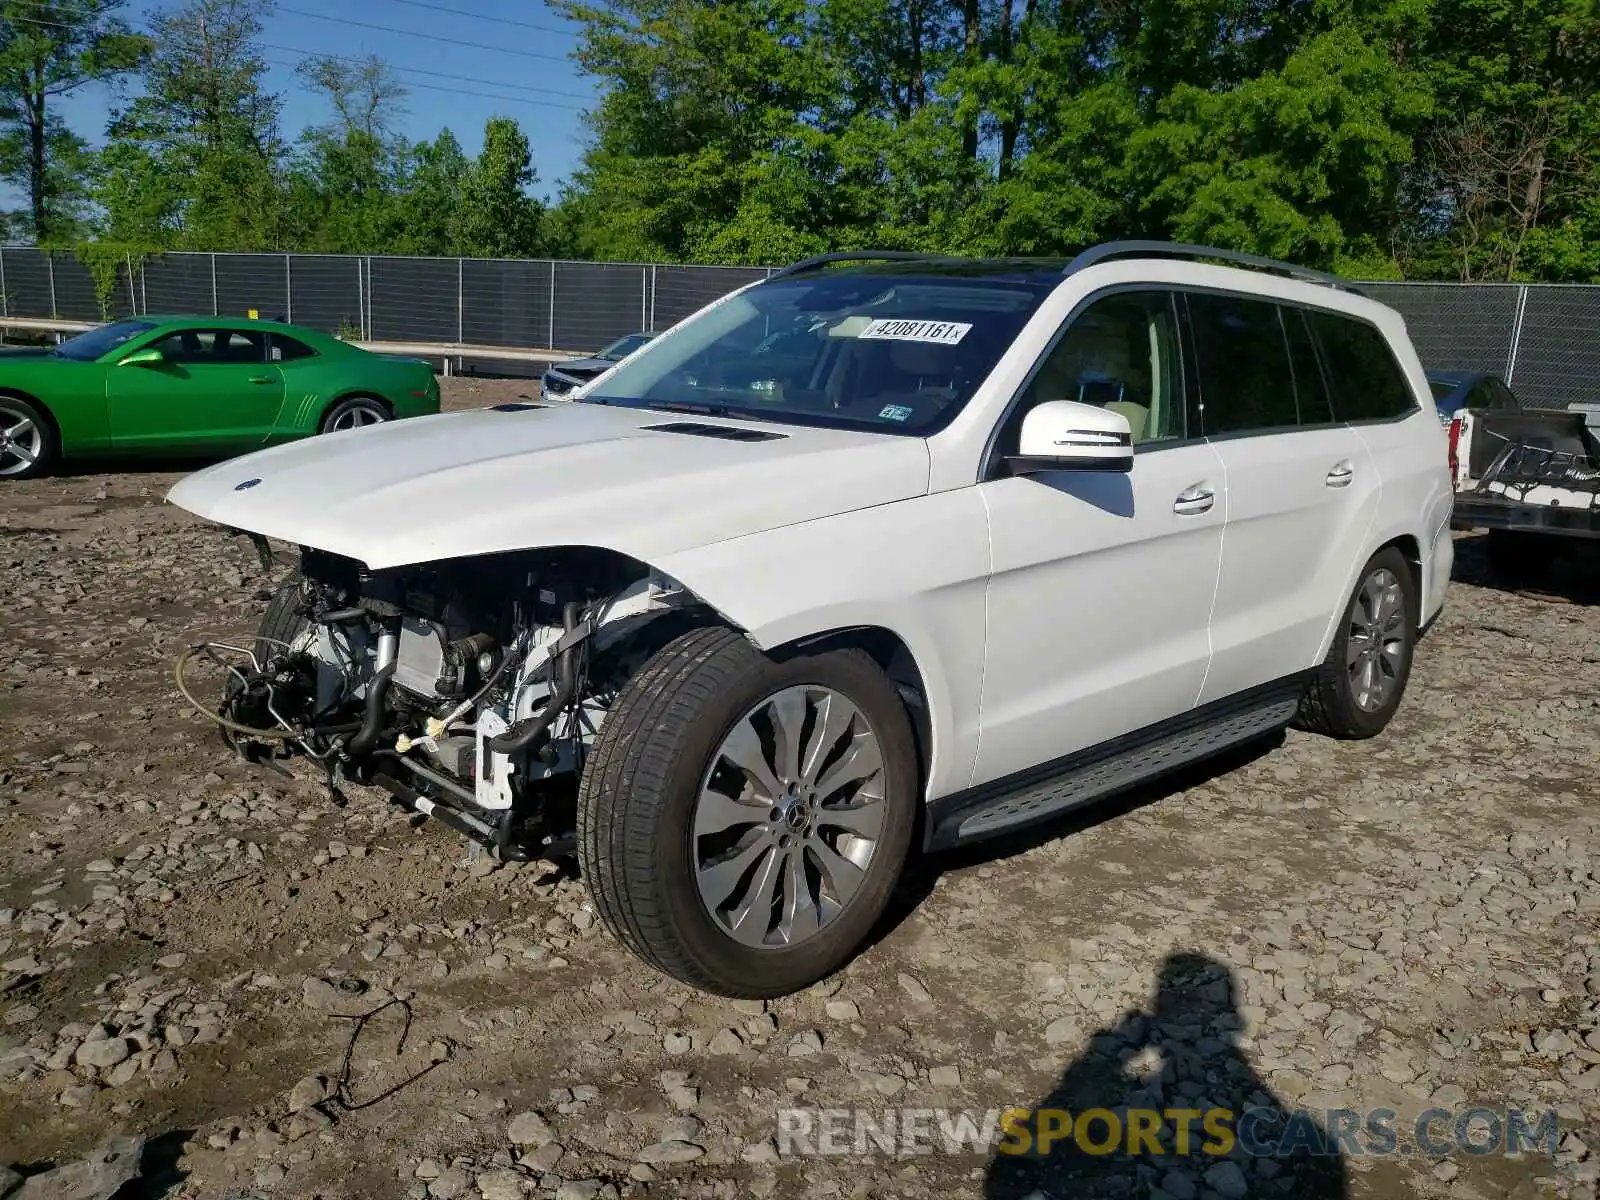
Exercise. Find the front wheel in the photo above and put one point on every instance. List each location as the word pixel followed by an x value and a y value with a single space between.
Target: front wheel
pixel 356 412
pixel 1358 687
pixel 27 440
pixel 742 821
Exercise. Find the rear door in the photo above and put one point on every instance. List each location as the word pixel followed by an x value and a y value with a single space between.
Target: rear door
pixel 1302 489
pixel 214 390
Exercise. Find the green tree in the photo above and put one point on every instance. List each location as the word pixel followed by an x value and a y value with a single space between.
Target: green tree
pixel 48 50
pixel 205 132
pixel 496 217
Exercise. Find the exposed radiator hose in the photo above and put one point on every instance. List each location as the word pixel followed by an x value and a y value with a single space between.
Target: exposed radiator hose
pixel 526 732
pixel 366 737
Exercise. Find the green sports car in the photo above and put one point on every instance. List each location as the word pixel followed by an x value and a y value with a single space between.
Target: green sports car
pixel 195 385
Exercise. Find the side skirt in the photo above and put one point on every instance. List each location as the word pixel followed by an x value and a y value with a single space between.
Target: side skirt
pixel 1055 787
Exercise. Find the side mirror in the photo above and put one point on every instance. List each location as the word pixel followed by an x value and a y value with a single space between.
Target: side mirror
pixel 1063 435
pixel 148 357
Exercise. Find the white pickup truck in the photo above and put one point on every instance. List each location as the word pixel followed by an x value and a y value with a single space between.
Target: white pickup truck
pixel 1531 477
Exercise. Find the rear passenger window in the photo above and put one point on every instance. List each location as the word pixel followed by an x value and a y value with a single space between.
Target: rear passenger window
pixel 1368 385
pixel 286 349
pixel 1310 388
pixel 1246 381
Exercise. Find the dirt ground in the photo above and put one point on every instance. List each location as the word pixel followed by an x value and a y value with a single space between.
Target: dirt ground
pixel 290 998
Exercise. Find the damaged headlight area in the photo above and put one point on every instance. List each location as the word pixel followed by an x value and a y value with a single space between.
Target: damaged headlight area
pixel 470 689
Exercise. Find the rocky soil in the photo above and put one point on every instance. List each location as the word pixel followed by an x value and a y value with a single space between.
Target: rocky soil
pixel 286 997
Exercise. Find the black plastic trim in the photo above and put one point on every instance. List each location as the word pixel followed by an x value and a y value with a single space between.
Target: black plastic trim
pixel 728 433
pixel 948 814
pixel 1484 512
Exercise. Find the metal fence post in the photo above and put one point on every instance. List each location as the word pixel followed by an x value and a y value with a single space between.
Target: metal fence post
pixel 644 297
pixel 1516 334
pixel 214 310
pixel 288 288
pixel 461 309
pixel 50 267
pixel 550 343
pixel 368 333
pixel 651 327
pixel 361 304
pixel 5 300
pixel 133 295
pixel 144 289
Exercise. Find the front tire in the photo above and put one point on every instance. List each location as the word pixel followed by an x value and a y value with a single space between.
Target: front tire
pixel 1358 687
pixel 27 439
pixel 742 821
pixel 354 412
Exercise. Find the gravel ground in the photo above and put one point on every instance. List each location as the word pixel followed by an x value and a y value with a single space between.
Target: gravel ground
pixel 286 997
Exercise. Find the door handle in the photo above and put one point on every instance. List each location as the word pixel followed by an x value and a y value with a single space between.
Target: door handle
pixel 1341 474
pixel 1195 500
pixel 260 379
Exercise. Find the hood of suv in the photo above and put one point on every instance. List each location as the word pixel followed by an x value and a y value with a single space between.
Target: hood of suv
pixel 642 482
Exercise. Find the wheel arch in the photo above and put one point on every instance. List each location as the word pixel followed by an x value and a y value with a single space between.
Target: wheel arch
pixel 903 646
pixel 1410 547
pixel 353 393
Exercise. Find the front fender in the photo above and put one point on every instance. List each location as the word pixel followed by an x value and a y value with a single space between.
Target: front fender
pixel 917 568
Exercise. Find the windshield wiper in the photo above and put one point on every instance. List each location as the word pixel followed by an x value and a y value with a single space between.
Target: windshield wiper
pixel 700 410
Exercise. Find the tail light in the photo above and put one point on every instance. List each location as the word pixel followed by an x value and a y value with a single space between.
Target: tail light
pixel 1455 441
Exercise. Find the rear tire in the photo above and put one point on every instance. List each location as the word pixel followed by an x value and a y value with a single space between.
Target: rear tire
pixel 27 438
pixel 354 412
pixel 668 816
pixel 1359 685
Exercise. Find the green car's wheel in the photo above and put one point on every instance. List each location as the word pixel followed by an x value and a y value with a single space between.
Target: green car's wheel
pixel 354 412
pixel 27 440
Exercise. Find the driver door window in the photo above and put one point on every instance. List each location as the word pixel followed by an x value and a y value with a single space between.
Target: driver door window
pixel 1120 354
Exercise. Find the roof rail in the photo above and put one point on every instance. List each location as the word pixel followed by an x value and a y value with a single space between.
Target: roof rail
pixel 821 260
pixel 1107 251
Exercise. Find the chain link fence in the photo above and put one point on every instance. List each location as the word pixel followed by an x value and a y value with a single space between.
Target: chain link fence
pixel 1543 339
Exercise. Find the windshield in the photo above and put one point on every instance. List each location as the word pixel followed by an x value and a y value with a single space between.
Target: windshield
pixel 624 346
pixel 87 347
pixel 896 353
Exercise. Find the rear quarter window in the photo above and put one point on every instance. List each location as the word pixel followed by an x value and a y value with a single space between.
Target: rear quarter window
pixel 1368 384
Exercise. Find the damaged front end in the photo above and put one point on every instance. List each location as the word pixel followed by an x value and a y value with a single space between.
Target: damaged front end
pixel 470 689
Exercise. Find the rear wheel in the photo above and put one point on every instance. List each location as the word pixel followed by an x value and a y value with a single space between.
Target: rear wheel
pixel 1358 687
pixel 743 821
pixel 27 439
pixel 354 412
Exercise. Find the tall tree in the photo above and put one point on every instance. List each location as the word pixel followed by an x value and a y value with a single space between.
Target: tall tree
pixel 497 217
pixel 49 49
pixel 205 130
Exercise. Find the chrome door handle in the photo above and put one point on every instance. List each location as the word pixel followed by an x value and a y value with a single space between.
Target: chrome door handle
pixel 1341 475
pixel 1194 500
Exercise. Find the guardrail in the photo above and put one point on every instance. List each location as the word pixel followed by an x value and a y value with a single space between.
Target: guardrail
pixel 447 352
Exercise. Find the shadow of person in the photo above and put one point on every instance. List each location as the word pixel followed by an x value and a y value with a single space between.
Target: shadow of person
pixel 1164 1105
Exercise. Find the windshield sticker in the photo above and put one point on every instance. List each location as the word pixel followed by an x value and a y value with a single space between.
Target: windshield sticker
pixel 894 412
pixel 940 333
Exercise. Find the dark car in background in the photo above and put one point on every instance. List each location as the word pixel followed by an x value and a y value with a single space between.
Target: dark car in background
pixel 562 378
pixel 1456 390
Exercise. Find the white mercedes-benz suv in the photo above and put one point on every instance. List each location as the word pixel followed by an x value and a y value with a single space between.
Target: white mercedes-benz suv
pixel 884 552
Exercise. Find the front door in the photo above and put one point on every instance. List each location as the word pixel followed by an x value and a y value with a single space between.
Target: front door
pixel 213 391
pixel 1100 597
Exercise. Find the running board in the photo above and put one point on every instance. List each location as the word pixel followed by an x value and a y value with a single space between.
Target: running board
pixel 1035 795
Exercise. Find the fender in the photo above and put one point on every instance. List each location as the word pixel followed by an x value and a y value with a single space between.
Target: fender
pixel 917 568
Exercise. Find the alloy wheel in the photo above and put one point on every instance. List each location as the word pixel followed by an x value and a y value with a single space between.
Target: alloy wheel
pixel 1376 643
pixel 21 440
pixel 789 815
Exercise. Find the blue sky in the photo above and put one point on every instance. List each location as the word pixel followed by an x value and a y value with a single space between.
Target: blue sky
pixel 519 68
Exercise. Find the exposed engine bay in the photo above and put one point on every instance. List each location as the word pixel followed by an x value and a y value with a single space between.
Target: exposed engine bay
pixel 470 689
